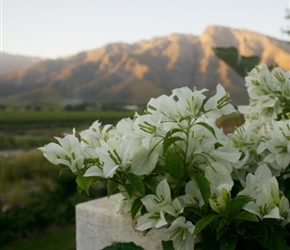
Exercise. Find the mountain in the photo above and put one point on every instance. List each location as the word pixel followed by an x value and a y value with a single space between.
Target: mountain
pixel 122 73
pixel 11 62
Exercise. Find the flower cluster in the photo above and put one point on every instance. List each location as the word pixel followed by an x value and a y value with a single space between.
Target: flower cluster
pixel 268 91
pixel 183 176
pixel 264 137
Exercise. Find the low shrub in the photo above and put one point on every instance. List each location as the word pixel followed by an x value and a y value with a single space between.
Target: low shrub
pixel 46 199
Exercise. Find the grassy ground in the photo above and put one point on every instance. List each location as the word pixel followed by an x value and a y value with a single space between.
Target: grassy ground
pixel 15 118
pixel 63 239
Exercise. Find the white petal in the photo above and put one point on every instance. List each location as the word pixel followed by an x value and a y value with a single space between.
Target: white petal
pixel 94 171
pixel 109 170
pixel 253 208
pixel 143 163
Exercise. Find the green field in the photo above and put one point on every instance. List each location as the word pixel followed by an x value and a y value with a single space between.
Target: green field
pixel 47 121
pixel 26 129
pixel 61 239
pixel 15 118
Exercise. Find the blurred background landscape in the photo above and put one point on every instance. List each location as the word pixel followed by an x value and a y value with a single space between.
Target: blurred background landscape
pixel 45 93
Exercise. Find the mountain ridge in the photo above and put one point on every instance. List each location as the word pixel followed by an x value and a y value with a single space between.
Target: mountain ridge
pixel 11 62
pixel 123 73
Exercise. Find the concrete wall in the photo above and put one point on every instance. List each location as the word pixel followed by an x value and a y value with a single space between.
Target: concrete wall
pixel 100 225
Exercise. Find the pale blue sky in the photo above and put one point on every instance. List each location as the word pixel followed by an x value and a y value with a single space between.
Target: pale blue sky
pixel 54 28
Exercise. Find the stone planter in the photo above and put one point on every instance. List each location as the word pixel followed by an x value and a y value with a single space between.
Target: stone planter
pixel 100 225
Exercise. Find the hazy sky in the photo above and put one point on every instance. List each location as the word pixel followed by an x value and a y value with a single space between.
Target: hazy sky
pixel 54 28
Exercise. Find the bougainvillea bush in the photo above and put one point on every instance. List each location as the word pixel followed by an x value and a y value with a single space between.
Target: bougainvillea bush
pixel 183 177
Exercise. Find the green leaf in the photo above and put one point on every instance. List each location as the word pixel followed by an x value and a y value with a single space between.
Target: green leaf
pixel 84 182
pixel 278 242
pixel 137 183
pixel 173 131
pixel 137 204
pixel 199 245
pixel 175 166
pixel 228 242
pixel 264 233
pixel 194 210
pixel 208 127
pixel 89 160
pixel 203 185
pixel 112 186
pixel 247 63
pixel 221 231
pixel 169 141
pixel 247 216
pixel 230 56
pixel 159 170
pixel 167 245
pixel 237 204
pixel 217 145
pixel 202 223
pixel 130 189
pixel 209 241
pixel 170 133
pixel 241 228
pixel 151 182
pixel 63 170
pixel 123 246
pixel 80 190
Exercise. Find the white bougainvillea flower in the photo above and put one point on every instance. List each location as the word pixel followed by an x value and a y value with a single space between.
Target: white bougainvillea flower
pixel 188 102
pixel 219 177
pixel 151 220
pixel 228 156
pixel 144 161
pixel 69 152
pixel 174 209
pixel 164 104
pixel 268 91
pixel 109 162
pixel 258 81
pixel 123 129
pixel 275 146
pixel 180 232
pixel 53 152
pixel 218 105
pixel 220 204
pixel 154 203
pixel 256 183
pixel 281 79
pixel 95 171
pixel 112 158
pixel 148 127
pixel 263 207
pixel 284 210
pixel 267 201
pixel 278 155
pixel 156 206
pixel 193 194
pixel 91 137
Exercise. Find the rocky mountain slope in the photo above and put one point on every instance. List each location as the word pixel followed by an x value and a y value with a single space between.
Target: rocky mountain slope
pixel 122 73
pixel 11 62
